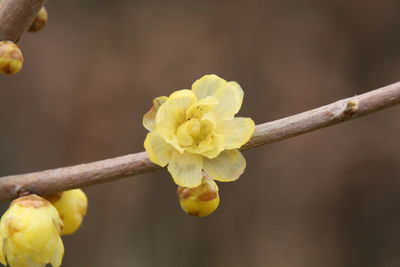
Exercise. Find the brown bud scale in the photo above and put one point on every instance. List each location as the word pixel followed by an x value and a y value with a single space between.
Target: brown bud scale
pixel 31 201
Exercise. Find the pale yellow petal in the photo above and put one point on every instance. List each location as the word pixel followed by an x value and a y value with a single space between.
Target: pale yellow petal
pixel 2 257
pixel 231 98
pixel 181 94
pixel 186 169
pixel 150 116
pixel 215 145
pixel 172 114
pixel 211 118
pixel 236 132
pixel 207 85
pixel 227 167
pixel 201 107
pixel 159 151
pixel 229 95
pixel 58 254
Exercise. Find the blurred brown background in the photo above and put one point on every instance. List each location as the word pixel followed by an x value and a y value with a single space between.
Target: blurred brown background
pixel 328 198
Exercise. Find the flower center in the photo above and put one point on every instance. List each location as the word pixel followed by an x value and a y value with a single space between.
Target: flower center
pixel 193 131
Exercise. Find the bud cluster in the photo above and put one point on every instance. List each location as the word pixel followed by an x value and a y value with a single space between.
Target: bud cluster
pixel 31 228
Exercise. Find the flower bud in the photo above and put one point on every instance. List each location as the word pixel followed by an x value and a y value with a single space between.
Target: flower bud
pixel 40 20
pixel 11 58
pixel 199 201
pixel 30 233
pixel 72 207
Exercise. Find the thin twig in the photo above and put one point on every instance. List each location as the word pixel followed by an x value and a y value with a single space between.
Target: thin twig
pixel 16 16
pixel 340 111
pixel 51 181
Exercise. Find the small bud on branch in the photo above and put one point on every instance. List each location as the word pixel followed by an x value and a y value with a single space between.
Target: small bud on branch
pixel 40 21
pixel 11 58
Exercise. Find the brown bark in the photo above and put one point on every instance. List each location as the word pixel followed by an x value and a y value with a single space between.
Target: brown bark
pixel 16 16
pixel 51 181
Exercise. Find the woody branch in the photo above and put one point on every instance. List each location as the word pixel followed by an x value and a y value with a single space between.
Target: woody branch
pixel 16 16
pixel 55 180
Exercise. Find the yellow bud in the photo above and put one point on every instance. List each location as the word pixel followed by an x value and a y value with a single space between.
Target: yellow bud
pixel 11 58
pixel 199 201
pixel 30 233
pixel 72 207
pixel 40 21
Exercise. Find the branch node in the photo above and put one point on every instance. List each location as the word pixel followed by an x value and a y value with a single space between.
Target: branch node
pixel 351 108
pixel 23 192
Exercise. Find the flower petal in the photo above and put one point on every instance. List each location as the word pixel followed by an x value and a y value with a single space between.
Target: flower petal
pixel 201 107
pixel 2 253
pixel 183 133
pixel 207 85
pixel 236 131
pixel 227 167
pixel 150 116
pixel 211 147
pixel 56 260
pixel 185 169
pixel 159 151
pixel 172 113
pixel 229 95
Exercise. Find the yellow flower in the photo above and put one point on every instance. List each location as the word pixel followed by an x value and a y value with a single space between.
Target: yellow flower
pixel 72 207
pixel 195 130
pixel 30 234
pixel 201 200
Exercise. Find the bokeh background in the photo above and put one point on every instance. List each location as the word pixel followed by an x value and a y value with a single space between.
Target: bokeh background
pixel 327 198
